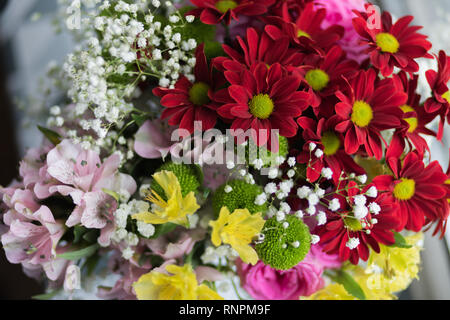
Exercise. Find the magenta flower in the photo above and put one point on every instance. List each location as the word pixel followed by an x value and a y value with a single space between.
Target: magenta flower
pixel 265 283
pixel 327 261
pixel 340 12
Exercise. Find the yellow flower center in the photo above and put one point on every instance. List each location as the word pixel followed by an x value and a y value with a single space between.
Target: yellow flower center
pixel 198 94
pixel 353 224
pixel 413 121
pixel 405 190
pixel 301 33
pixel 446 96
pixel 362 114
pixel 331 143
pixel 447 182
pixel 261 106
pixel 317 79
pixel 225 5
pixel 387 42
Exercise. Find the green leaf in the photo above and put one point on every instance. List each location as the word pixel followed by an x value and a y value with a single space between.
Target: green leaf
pixel 400 242
pixel 91 263
pixel 156 261
pixel 52 136
pixel 350 285
pixel 162 229
pixel 111 193
pixel 199 173
pixel 206 193
pixel 78 232
pixel 91 236
pixel 45 296
pixel 139 119
pixel 78 254
pixel 213 49
pixel 121 79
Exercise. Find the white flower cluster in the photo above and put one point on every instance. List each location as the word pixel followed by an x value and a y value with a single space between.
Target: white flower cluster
pixel 215 256
pixel 360 209
pixel 314 196
pixel 123 45
pixel 352 243
pixel 121 235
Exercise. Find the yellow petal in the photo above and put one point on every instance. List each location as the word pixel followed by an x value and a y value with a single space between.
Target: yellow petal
pixel 145 289
pixel 256 222
pixel 167 180
pixel 205 293
pixel 190 205
pixel 246 252
pixel 218 225
pixel 149 217
pixel 175 209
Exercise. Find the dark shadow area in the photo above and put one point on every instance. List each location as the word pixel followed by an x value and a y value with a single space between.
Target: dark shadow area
pixel 14 284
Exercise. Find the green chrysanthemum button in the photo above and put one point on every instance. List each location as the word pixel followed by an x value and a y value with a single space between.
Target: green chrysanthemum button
pixel 284 246
pixel 241 196
pixel 187 176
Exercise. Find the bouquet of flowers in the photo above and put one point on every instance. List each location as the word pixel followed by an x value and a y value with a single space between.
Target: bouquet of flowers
pixel 233 149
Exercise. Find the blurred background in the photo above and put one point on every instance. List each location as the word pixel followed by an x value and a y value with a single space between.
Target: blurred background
pixel 28 44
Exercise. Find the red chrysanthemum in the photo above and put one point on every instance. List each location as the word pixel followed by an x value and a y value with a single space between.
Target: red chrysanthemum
pixel 350 237
pixel 369 107
pixel 392 45
pixel 415 119
pixel 293 7
pixel 323 75
pixel 305 30
pixel 217 11
pixel 330 143
pixel 191 101
pixel 417 189
pixel 263 98
pixel 258 47
pixel 440 102
pixel 441 222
